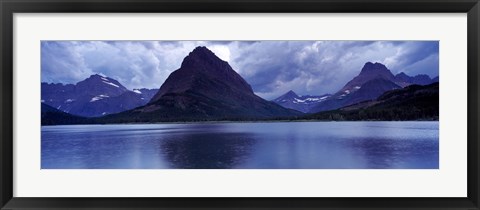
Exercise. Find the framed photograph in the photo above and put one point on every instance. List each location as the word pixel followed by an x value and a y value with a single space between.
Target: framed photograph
pixel 239 105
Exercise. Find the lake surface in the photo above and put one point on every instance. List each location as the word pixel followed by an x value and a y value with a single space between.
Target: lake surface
pixel 280 145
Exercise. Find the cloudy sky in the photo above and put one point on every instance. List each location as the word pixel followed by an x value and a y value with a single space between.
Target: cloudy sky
pixel 270 67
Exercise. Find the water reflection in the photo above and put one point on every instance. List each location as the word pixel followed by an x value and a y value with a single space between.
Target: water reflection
pixel 307 145
pixel 207 150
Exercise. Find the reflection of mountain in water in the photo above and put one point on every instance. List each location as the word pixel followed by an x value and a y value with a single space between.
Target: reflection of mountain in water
pixel 295 145
pixel 207 150
pixel 382 152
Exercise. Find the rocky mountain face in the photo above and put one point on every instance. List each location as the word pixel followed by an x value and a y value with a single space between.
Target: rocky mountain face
pixel 204 88
pixel 95 96
pixel 369 71
pixel 373 80
pixel 301 103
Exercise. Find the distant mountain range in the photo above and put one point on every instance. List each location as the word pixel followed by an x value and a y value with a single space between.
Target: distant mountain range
pixel 206 88
pixel 93 97
pixel 373 80
pixel 301 103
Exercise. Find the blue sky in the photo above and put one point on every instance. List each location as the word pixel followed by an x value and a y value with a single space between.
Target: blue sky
pixel 270 67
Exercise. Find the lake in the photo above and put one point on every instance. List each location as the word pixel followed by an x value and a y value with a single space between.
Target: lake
pixel 265 145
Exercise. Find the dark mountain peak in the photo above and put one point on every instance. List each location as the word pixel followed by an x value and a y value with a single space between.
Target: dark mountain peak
pixel 201 50
pixel 203 53
pixel 99 77
pixel 96 76
pixel 368 64
pixel 101 80
pixel 206 87
pixel 287 96
pixel 93 77
pixel 291 94
pixel 97 85
pixel 370 68
pixel 204 73
pixel 202 57
pixel 369 71
pixel 402 78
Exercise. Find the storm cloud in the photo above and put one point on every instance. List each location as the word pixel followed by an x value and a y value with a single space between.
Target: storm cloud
pixel 270 67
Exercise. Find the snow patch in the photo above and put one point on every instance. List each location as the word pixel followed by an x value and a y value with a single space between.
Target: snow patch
pixel 104 113
pixel 137 91
pixel 100 97
pixel 104 79
pixel 69 100
pixel 296 100
pixel 43 101
pixel 309 100
pixel 347 91
pixel 109 83
pixel 357 87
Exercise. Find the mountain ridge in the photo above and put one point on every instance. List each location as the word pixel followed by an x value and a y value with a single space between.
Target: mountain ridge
pixel 378 79
pixel 414 102
pixel 94 96
pixel 204 88
pixel 301 103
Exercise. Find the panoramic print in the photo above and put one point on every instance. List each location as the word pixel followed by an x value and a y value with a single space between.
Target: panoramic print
pixel 239 104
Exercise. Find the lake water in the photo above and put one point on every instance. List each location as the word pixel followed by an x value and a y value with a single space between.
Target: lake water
pixel 282 145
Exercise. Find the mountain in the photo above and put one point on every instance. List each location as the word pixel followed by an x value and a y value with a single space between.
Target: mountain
pixel 373 80
pixel 404 80
pixel 95 96
pixel 98 84
pixel 203 88
pixel 369 71
pixel 146 94
pixel 414 102
pixel 371 90
pixel 52 116
pixel 301 103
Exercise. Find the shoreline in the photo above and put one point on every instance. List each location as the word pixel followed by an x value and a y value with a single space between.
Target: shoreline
pixel 252 121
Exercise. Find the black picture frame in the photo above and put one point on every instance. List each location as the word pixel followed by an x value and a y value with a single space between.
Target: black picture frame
pixel 10 7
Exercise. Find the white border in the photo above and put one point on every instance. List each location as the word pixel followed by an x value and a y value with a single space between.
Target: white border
pixel 448 181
